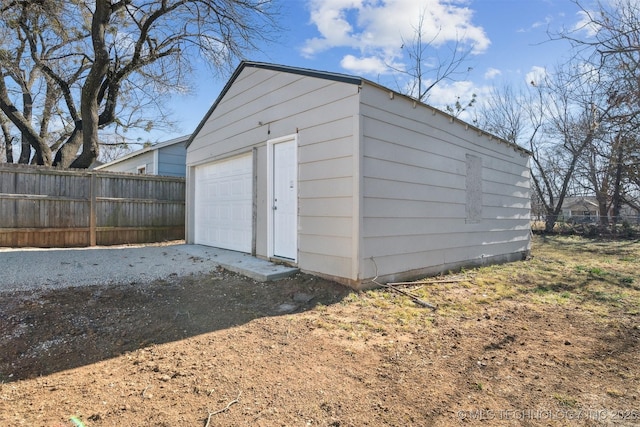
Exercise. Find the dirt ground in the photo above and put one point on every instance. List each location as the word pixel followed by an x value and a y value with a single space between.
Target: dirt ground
pixel 223 350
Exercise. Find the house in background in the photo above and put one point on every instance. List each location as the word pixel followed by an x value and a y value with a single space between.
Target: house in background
pixel 350 180
pixel 585 209
pixel 166 158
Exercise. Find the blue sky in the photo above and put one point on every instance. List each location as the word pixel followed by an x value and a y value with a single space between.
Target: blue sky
pixel 508 41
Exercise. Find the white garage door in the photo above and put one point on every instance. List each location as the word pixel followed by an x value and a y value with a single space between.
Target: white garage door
pixel 224 204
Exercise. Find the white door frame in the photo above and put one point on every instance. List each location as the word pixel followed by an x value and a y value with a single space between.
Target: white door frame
pixel 270 195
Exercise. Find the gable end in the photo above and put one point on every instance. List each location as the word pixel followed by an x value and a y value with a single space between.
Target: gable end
pixel 337 77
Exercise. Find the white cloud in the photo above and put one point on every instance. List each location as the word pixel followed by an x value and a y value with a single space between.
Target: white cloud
pixel 366 65
pixel 536 75
pixel 330 18
pixel 544 23
pixel 377 29
pixel 586 24
pixel 447 94
pixel 492 73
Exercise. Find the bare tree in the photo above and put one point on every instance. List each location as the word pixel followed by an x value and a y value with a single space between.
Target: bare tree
pixel 557 119
pixel 580 123
pixel 577 116
pixel 608 43
pixel 510 114
pixel 98 64
pixel 426 69
pixel 609 40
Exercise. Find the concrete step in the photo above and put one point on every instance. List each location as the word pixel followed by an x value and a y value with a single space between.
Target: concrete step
pixel 241 263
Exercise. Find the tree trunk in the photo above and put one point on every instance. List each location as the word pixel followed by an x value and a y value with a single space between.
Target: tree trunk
pixel 550 222
pixel 66 155
pixel 603 212
pixel 8 149
pixel 8 140
pixel 92 85
pixel 25 151
pixel 616 201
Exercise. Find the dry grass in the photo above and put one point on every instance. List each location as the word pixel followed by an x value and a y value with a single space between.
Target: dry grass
pixel 599 276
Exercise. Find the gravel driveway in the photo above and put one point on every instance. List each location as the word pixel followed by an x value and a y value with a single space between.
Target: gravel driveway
pixel 24 269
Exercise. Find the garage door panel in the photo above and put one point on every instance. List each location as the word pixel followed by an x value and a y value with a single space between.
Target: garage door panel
pixel 224 204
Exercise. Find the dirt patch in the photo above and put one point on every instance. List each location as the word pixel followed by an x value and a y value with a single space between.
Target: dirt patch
pixel 220 349
pixel 46 332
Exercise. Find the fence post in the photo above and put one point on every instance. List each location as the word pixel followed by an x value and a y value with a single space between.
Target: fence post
pixel 92 209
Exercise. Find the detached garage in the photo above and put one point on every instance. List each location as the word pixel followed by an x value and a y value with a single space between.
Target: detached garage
pixel 347 179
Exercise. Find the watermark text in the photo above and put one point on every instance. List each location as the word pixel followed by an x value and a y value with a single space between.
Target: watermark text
pixel 554 414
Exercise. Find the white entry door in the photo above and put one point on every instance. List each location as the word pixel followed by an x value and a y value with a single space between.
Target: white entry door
pixel 284 168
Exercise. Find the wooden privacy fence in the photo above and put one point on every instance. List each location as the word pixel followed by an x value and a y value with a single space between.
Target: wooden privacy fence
pixel 48 207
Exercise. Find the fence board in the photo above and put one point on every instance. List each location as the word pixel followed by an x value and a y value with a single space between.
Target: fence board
pixel 49 207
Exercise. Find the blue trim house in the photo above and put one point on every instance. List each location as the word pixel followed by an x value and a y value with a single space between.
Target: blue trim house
pixel 167 158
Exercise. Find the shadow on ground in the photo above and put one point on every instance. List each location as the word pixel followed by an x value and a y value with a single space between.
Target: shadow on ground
pixel 42 332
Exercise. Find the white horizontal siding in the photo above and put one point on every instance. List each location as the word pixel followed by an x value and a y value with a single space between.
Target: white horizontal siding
pixel 327 245
pixel 402 172
pixel 131 164
pixel 336 189
pixel 300 103
pixel 418 156
pixel 327 207
pixel 378 246
pixel 437 260
pixel 328 225
pixel 519 244
pixel 414 177
pixel 382 207
pixel 445 139
pixel 500 188
pixel 335 136
pixel 338 267
pixel 326 168
pixel 264 104
pixel 390 227
pixel 396 190
pixel 511 201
